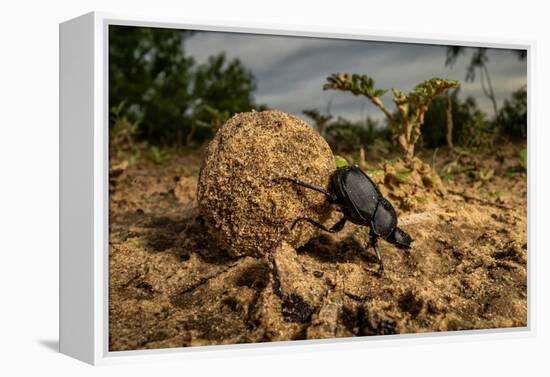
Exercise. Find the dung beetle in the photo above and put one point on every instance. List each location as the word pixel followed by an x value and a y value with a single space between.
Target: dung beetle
pixel 360 201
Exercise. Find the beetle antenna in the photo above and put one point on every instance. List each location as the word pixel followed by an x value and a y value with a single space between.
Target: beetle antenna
pixel 306 185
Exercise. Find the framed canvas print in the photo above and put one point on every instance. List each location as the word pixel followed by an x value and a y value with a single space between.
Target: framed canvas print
pixel 227 188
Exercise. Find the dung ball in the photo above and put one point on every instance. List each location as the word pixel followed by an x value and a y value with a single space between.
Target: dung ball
pixel 246 211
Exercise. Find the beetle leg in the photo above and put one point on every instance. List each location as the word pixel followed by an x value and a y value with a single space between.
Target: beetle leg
pixel 334 229
pixel 307 185
pixel 374 243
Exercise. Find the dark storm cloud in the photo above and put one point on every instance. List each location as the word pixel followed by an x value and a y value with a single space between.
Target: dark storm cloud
pixel 290 71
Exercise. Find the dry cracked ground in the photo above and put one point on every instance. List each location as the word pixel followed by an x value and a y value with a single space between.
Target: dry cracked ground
pixel 171 286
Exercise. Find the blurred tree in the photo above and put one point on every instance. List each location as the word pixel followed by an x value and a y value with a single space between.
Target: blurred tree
pixel 163 89
pixel 346 136
pixel 478 62
pixel 319 119
pixel 149 72
pixel 434 134
pixel 220 89
pixel 512 117
pixel 465 114
pixel 449 120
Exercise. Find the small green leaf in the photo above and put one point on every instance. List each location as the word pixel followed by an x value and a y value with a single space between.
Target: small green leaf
pixel 403 176
pixel 158 156
pixel 358 85
pixel 340 161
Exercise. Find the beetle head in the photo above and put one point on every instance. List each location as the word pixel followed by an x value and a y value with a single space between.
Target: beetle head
pixel 400 238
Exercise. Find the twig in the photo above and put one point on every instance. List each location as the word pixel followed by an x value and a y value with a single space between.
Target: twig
pixel 433 158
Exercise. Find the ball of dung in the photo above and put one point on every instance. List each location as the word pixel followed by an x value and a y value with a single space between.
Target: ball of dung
pixel 245 209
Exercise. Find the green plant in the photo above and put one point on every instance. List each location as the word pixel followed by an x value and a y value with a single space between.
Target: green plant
pixel 403 176
pixel 453 168
pixel 123 145
pixel 217 119
pixel 411 106
pixel 158 155
pixel 340 161
pixel 477 132
pixel 523 159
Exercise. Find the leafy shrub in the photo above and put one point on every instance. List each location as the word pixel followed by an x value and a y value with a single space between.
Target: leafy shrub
pixel 158 155
pixel 476 131
pixel 122 137
pixel 470 125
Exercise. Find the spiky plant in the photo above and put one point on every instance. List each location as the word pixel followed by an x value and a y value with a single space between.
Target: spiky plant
pixel 411 106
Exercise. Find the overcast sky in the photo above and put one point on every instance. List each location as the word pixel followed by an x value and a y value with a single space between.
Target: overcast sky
pixel 290 71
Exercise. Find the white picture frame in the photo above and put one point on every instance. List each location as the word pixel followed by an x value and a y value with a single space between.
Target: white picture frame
pixel 84 191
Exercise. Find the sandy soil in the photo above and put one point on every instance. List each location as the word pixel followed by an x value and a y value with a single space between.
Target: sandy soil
pixel 172 286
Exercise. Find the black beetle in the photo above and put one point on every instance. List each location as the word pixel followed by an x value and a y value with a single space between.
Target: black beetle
pixel 358 198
